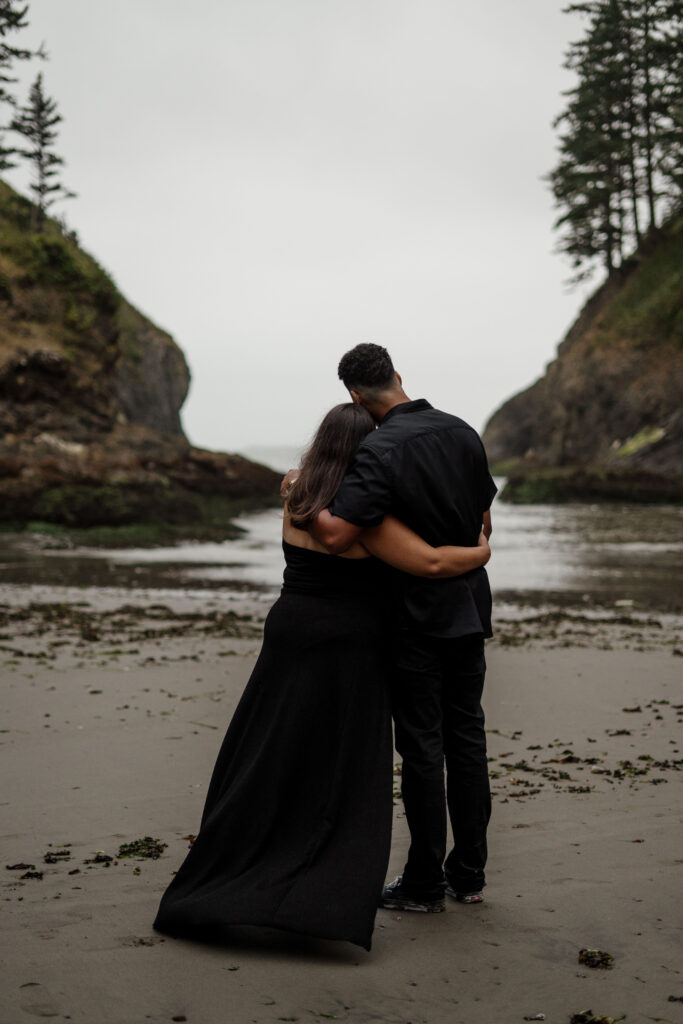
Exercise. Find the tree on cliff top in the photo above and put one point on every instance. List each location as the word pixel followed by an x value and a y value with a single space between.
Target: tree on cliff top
pixel 11 19
pixel 37 123
pixel 621 142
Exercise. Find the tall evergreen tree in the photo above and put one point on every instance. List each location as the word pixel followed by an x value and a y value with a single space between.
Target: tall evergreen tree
pixel 658 25
pixel 12 18
pixel 591 180
pixel 621 138
pixel 674 51
pixel 37 123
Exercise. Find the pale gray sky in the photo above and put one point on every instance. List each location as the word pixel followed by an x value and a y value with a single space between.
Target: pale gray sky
pixel 273 181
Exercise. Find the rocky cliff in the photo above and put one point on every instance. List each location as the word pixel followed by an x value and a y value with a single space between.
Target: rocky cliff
pixel 90 398
pixel 606 419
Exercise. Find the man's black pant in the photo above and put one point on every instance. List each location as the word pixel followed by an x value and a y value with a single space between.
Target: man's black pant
pixel 438 716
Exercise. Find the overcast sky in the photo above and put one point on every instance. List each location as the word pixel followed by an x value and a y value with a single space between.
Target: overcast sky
pixel 273 181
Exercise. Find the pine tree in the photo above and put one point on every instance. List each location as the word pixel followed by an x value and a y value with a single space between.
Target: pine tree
pixel 658 31
pixel 37 123
pixel 12 18
pixel 621 142
pixel 591 181
pixel 673 46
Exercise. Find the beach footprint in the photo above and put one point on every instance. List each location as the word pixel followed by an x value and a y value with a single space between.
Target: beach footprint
pixel 36 1001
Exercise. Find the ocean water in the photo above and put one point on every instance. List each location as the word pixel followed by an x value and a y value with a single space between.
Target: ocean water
pixel 597 553
pixel 618 556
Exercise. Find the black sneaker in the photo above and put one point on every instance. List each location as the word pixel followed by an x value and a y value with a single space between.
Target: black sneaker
pixel 394 897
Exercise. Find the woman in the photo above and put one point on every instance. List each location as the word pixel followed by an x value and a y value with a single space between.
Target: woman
pixel 296 827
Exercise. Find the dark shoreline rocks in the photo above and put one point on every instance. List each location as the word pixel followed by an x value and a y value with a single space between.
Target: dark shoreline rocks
pixel 131 476
pixel 591 484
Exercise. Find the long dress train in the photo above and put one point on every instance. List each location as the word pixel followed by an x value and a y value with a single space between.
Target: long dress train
pixel 296 827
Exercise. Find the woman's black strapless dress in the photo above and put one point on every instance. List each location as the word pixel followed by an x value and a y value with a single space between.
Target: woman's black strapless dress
pixel 296 828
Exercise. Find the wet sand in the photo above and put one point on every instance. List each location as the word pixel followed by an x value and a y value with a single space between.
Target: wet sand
pixel 111 721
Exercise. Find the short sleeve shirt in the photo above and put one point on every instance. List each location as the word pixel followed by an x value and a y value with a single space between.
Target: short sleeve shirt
pixel 429 469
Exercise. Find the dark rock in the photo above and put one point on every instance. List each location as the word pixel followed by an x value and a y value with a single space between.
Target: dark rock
pixel 152 377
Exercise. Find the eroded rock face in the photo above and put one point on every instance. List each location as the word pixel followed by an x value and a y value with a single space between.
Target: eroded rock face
pixel 591 407
pixel 44 391
pixel 151 378
pixel 610 403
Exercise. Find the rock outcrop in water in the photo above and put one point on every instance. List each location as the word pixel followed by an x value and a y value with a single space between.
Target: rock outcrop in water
pixel 90 398
pixel 606 420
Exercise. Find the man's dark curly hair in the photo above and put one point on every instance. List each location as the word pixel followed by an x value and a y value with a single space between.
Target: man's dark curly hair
pixel 367 367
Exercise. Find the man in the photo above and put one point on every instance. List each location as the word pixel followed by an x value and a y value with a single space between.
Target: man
pixel 428 469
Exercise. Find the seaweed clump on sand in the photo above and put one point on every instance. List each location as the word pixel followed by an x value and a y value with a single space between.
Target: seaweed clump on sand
pixel 53 622
pixel 596 958
pixel 147 847
pixel 57 856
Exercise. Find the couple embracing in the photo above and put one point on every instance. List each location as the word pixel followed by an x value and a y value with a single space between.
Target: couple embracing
pixel 384 610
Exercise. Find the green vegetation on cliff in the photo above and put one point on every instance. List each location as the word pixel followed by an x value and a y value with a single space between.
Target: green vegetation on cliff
pixel 647 310
pixel 33 262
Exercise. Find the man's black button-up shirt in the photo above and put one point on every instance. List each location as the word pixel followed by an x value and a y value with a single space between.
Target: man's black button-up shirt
pixel 429 469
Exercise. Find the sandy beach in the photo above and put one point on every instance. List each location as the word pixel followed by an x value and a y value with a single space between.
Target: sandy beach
pixel 112 715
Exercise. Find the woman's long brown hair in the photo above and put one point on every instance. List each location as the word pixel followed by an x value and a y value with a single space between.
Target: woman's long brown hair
pixel 326 461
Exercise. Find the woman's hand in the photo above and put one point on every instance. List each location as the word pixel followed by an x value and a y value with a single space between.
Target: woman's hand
pixel 483 543
pixel 287 482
